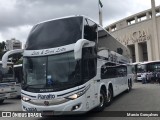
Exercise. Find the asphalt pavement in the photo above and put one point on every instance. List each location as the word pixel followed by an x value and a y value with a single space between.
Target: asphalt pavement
pixel 142 98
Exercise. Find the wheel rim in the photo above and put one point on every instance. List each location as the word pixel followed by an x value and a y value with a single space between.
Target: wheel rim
pixel 101 100
pixel 109 96
pixel 130 85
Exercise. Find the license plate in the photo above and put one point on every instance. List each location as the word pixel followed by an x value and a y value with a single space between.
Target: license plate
pixel 31 109
pixel 48 113
pixel 12 94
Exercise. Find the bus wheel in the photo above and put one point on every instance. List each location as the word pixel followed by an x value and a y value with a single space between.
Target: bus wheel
pixel 102 101
pixel 129 85
pixel 109 97
pixel 1 101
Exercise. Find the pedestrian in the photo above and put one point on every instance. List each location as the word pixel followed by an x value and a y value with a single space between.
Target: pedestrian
pixel 143 77
pixel 149 76
pixel 158 77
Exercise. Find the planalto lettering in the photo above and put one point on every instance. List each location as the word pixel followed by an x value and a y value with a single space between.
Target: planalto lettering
pixel 50 96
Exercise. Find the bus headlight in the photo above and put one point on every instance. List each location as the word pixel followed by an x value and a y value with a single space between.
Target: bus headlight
pixel 25 99
pixel 75 96
pixel 78 94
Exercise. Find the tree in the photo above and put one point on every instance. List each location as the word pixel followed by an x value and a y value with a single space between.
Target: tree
pixel 15 57
pixel 2 47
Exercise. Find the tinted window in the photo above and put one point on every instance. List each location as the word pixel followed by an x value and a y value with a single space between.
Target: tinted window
pixel 107 72
pixel 121 71
pixel 57 72
pixel 71 68
pixel 113 71
pixel 55 33
pixel 89 63
pixel 90 30
pixel 153 67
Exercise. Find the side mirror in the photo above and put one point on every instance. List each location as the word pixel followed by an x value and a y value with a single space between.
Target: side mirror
pixel 79 45
pixel 5 56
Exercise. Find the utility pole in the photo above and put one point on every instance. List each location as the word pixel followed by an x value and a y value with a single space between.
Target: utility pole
pixel 100 5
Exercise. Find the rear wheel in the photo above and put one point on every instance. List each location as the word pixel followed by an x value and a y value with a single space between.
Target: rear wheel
pixel 109 97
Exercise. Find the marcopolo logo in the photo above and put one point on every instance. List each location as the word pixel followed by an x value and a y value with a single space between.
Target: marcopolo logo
pixel 50 96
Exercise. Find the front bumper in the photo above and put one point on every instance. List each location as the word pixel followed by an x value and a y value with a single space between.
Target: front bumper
pixel 77 106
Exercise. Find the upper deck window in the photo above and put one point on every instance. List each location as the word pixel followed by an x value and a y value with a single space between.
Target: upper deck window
pixel 55 33
pixel 90 30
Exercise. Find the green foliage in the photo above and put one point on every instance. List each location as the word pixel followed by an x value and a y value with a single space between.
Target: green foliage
pixel 2 47
pixel 15 57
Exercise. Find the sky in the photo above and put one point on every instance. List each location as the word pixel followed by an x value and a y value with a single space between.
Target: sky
pixel 17 17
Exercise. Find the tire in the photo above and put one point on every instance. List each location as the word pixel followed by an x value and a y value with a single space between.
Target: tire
pixel 109 97
pixel 129 85
pixel 1 101
pixel 103 99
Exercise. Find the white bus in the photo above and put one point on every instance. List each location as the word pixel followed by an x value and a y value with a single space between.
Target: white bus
pixel 18 74
pixel 150 68
pixel 72 64
pixel 7 83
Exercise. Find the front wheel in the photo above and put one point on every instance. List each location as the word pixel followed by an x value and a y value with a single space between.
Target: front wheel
pixel 103 100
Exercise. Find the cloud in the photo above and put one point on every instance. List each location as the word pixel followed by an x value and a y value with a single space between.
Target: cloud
pixel 17 15
pixel 19 33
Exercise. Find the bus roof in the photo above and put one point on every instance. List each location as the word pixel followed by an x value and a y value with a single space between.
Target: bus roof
pixel 150 62
pixel 70 17
pixel 135 63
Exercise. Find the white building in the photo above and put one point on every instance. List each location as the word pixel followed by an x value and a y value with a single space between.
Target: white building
pixel 140 33
pixel 13 44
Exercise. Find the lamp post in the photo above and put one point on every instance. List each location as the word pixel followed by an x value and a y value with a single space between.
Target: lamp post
pixel 100 5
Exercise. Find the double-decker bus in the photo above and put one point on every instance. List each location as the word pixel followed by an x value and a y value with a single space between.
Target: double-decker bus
pixel 72 64
pixel 7 83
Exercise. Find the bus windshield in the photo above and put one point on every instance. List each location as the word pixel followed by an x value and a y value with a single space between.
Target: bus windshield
pixel 154 67
pixel 141 68
pixel 55 33
pixel 57 72
pixel 6 74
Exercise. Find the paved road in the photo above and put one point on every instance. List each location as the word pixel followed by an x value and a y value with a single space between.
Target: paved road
pixel 143 97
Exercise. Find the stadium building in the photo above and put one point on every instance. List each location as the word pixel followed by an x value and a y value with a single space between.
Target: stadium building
pixel 140 33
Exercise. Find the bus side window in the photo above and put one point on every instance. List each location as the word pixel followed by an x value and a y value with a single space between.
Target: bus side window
pixel 124 69
pixel 108 72
pixel 90 30
pixel 89 63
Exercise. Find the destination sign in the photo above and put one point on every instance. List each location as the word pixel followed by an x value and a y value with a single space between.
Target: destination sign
pixel 49 51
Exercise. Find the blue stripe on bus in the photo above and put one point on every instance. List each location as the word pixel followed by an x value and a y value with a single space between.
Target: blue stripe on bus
pixel 28 95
